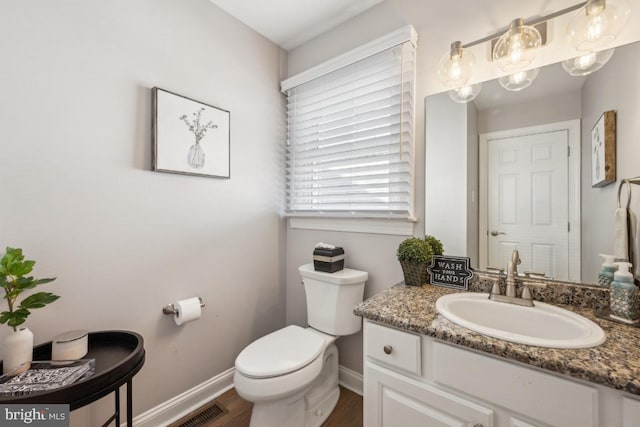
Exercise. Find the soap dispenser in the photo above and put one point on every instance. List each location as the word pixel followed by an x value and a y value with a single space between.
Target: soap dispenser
pixel 624 295
pixel 606 273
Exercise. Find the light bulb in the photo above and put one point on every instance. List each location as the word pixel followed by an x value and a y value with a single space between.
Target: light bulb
pixel 455 72
pixel 465 93
pixel 587 63
pixel 597 24
pixel 516 48
pixel 518 80
pixel 455 67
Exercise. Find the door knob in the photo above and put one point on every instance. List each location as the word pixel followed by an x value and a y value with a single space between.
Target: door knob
pixel 495 233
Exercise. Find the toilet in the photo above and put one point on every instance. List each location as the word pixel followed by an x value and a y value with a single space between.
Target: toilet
pixel 291 375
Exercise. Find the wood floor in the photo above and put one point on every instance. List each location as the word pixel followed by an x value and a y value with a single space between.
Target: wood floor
pixel 348 411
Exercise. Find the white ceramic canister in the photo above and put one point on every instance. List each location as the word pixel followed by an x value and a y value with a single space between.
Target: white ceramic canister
pixel 71 345
pixel 17 351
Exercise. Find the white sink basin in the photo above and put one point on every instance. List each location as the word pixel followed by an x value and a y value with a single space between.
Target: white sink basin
pixel 544 325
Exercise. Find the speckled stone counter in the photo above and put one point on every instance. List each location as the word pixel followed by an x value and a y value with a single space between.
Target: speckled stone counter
pixel 616 363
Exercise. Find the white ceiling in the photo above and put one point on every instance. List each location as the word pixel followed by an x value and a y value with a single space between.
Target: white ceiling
pixel 289 23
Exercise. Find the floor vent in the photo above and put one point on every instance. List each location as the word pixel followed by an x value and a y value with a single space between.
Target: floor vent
pixel 206 414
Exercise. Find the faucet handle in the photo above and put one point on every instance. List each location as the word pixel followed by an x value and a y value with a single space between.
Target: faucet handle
pixel 495 289
pixel 499 270
pixel 535 274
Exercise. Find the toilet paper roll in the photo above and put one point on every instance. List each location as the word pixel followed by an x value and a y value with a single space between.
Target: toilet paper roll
pixel 188 310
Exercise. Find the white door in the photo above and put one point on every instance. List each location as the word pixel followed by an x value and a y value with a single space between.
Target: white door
pixel 527 201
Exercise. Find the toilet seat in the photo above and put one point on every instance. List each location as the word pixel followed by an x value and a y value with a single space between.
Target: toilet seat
pixel 281 352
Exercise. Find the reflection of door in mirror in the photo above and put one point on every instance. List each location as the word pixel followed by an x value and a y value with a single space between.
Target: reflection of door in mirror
pixel 527 201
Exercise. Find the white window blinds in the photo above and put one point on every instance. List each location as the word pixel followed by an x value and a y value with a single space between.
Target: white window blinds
pixel 350 144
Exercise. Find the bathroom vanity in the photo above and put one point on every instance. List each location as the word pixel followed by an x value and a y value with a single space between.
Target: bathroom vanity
pixel 420 369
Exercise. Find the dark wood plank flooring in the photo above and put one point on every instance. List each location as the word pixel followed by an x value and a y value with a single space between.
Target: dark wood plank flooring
pixel 348 411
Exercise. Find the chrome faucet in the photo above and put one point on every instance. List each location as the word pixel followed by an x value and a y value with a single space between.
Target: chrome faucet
pixel 512 280
pixel 512 274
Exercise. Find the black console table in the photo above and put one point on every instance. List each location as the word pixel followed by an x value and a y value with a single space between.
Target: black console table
pixel 119 355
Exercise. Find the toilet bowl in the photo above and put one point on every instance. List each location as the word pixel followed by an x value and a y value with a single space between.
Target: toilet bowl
pixel 291 375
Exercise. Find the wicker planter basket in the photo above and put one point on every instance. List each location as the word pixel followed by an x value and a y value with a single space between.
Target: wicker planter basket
pixel 415 273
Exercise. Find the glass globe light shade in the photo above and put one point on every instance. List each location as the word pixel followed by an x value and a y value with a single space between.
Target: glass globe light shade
pixel 466 93
pixel 517 47
pixel 518 80
pixel 597 24
pixel 455 67
pixel 587 63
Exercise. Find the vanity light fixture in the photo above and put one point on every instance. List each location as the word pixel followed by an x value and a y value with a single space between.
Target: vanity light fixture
pixel 518 80
pixel 465 93
pixel 597 24
pixel 517 47
pixel 587 63
pixel 455 67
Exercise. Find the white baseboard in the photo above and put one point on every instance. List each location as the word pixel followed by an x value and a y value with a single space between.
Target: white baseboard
pixel 350 380
pixel 179 406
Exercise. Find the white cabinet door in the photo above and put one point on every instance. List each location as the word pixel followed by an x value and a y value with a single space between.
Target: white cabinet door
pixel 392 400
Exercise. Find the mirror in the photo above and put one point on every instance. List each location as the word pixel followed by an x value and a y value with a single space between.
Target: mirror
pixel 513 169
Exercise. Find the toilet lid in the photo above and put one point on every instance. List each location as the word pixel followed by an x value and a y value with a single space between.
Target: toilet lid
pixel 283 351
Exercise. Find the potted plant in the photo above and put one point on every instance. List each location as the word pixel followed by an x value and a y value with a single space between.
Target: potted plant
pixel 415 256
pixel 18 346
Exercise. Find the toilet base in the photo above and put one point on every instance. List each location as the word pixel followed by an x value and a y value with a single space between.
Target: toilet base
pixel 289 412
pixel 307 408
pixel 316 416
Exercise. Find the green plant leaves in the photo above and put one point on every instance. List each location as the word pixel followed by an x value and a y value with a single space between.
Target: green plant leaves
pixel 14 281
pixel 13 263
pixel 38 300
pixel 414 249
pixel 15 318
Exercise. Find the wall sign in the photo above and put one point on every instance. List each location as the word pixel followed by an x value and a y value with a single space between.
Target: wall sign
pixel 450 271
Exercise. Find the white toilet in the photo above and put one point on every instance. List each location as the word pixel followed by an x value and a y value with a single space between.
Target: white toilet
pixel 291 375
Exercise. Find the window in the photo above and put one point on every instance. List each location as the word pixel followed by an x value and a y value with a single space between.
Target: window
pixel 350 146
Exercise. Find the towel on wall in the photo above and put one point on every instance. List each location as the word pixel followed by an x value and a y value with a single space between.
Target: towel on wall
pixel 621 239
pixel 634 249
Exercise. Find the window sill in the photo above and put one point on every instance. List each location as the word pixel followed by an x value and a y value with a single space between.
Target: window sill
pixel 396 227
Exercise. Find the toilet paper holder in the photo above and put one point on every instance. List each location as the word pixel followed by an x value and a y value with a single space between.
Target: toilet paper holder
pixel 171 309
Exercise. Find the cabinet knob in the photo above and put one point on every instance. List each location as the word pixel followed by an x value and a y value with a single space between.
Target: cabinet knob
pixel 477 425
pixel 388 349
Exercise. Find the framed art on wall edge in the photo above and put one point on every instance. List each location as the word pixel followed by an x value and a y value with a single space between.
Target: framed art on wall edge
pixel 603 150
pixel 189 136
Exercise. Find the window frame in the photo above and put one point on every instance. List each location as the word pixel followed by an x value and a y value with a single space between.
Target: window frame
pixel 358 222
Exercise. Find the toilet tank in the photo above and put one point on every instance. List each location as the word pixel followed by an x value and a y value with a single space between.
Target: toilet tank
pixel 331 298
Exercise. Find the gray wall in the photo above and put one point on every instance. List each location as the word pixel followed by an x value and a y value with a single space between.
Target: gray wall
pixel 373 253
pixel 448 175
pixel 472 184
pixel 437 24
pixel 550 109
pixel 617 87
pixel 79 197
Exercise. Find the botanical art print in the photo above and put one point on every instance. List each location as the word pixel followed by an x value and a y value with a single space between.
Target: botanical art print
pixel 603 150
pixel 190 137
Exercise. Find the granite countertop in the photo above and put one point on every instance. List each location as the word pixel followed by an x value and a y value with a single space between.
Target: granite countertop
pixel 616 363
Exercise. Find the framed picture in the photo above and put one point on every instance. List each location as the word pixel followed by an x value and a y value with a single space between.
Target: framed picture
pixel 603 150
pixel 189 136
